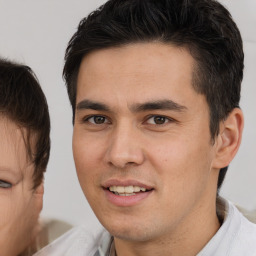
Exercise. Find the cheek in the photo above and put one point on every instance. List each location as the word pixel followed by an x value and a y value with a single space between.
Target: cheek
pixel 18 211
pixel 86 148
pixel 85 158
pixel 169 156
pixel 88 153
pixel 7 211
pixel 180 162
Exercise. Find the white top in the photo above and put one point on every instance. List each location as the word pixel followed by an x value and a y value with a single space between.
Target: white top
pixel 236 237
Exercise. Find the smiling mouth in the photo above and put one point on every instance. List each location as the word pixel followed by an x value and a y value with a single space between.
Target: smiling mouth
pixel 127 190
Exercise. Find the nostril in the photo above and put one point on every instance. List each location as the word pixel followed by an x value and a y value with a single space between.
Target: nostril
pixel 121 163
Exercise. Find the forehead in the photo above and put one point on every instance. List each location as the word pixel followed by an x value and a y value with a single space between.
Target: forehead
pixel 149 69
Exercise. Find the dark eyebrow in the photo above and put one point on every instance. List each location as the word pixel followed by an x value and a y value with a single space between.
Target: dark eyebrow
pixel 88 104
pixel 160 104
pixel 151 105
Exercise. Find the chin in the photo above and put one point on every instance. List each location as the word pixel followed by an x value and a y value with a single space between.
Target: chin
pixel 130 232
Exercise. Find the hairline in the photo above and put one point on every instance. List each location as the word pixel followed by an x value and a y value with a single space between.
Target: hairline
pixel 28 135
pixel 195 81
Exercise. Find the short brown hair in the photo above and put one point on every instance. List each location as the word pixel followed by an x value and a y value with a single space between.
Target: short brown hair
pixel 23 102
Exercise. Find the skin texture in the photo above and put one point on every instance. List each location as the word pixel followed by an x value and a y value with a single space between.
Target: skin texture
pixel 20 205
pixel 175 158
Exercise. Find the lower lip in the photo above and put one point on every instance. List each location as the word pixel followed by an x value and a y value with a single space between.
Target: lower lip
pixel 127 200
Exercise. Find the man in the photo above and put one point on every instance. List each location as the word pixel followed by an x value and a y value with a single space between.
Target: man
pixel 24 154
pixel 155 89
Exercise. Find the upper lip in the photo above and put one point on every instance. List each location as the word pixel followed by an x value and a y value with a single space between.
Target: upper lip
pixel 124 183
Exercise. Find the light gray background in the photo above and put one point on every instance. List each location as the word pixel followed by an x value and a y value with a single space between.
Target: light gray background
pixel 37 31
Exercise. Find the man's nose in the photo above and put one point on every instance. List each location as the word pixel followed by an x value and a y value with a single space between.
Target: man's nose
pixel 125 147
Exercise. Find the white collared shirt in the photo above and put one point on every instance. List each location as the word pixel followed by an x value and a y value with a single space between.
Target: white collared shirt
pixel 236 237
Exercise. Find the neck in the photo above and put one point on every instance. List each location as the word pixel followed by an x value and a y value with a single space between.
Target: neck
pixel 188 238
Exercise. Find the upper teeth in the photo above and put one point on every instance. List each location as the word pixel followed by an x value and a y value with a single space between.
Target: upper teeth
pixel 126 189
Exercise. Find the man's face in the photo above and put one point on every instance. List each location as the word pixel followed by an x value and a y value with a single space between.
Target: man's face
pixel 20 205
pixel 141 142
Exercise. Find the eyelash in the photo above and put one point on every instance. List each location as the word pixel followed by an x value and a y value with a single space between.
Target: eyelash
pixel 166 119
pixel 86 119
pixel 5 184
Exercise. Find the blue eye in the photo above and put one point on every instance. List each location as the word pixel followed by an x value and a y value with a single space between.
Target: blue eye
pixel 5 184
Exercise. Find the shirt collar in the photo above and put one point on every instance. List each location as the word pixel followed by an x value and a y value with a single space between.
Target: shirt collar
pixel 107 246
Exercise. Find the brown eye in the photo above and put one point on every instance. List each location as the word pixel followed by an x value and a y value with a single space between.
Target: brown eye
pixel 99 119
pixel 159 119
pixel 96 120
pixel 5 184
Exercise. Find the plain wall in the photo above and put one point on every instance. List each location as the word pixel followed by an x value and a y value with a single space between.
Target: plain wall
pixel 36 32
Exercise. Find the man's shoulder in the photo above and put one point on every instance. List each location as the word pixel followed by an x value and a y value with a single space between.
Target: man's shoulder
pixel 78 241
pixel 242 238
pixel 245 238
pixel 236 236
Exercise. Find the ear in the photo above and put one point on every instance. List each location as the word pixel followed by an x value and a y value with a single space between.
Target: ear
pixel 229 138
pixel 40 189
pixel 39 194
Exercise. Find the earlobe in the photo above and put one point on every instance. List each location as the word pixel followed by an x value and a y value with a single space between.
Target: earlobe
pixel 40 189
pixel 229 138
pixel 38 195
